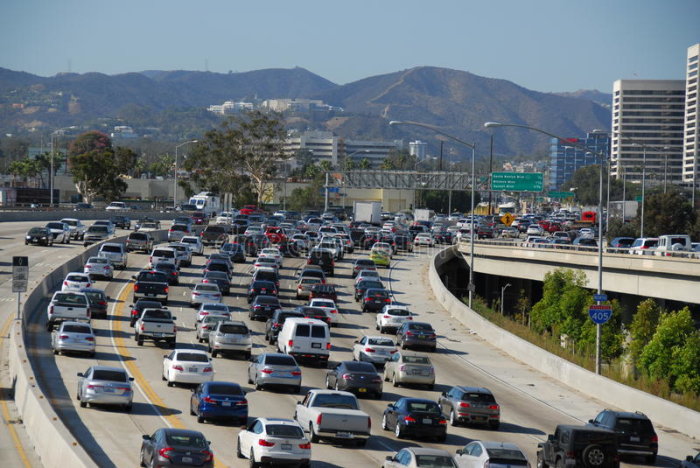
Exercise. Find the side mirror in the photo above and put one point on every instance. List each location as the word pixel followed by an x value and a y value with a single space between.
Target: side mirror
pixel 253 359
pixel 80 374
pixel 356 341
pixel 389 458
pixel 146 437
pixel 174 318
pixel 165 356
pixel 193 390
pixel 459 452
pixel 689 458
pixel 444 394
pixel 591 421
pixel 133 276
pixel 550 437
pixel 298 403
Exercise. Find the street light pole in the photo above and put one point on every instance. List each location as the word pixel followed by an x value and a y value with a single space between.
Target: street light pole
pixel 503 291
pixel 601 157
pixel 471 146
pixel 644 177
pixel 175 178
pixel 53 150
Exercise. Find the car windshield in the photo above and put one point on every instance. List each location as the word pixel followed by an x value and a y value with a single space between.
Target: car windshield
pixel 192 357
pixel 34 231
pixel 280 361
pixel 329 400
pixel 416 360
pixel 74 328
pixel 219 389
pixel 111 375
pixel 435 461
pixel 424 407
pixel 186 440
pixel 284 430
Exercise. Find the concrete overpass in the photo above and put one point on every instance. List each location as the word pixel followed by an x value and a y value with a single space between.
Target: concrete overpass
pixel 664 278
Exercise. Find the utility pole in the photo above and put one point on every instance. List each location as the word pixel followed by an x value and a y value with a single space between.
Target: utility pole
pixel 491 171
pixel 440 165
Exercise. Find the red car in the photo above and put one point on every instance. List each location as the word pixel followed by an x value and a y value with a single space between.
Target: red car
pixel 199 217
pixel 323 291
pixel 275 234
pixel 249 210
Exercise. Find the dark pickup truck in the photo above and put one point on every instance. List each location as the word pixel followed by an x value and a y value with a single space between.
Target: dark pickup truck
pixel 151 285
pixel 574 446
pixel 214 235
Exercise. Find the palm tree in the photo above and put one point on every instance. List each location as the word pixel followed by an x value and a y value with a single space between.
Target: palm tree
pixel 364 164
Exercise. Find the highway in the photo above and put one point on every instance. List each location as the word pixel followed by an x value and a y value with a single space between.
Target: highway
pixel 531 404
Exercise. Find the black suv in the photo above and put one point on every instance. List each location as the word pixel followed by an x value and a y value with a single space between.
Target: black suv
pixel 636 435
pixel 584 446
pixel 322 258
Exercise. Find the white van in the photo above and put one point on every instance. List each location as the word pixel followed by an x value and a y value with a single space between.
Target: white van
pixel 673 243
pixel 305 339
pixel 163 255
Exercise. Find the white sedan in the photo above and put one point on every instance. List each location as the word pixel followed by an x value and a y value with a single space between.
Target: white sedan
pixel 76 282
pixel 188 366
pixel 374 349
pixel 195 244
pixel 424 238
pixel 271 252
pixel 274 440
pixel 329 306
pixel 265 262
pixel 534 230
pixel 482 453
pixel 205 292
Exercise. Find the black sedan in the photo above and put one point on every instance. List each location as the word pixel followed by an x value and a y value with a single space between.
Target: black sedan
pixel 415 417
pixel 179 447
pixel 219 278
pixel 357 377
pixel 263 306
pixel 170 271
pixel 374 299
pixel 39 236
pixel 261 287
pixel 235 252
pixel 314 313
pixel 364 285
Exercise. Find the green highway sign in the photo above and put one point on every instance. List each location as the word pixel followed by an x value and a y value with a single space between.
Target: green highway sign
pixel 561 194
pixel 638 198
pixel 516 181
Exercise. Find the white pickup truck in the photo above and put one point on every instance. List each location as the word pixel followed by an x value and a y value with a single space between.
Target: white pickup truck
pixel 330 414
pixel 67 306
pixel 156 325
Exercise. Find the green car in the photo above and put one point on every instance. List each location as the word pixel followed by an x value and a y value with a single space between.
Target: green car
pixel 380 258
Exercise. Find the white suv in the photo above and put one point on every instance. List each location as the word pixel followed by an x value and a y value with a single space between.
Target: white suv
pixel 274 440
pixel 392 317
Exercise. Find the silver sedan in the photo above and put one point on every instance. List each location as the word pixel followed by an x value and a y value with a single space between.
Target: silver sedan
pixel 205 292
pixel 274 369
pixel 73 337
pixel 99 267
pixel 105 386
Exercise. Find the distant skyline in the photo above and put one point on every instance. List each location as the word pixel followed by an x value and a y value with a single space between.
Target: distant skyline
pixel 543 45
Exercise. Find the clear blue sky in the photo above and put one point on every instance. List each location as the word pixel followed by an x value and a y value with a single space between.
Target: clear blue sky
pixel 545 45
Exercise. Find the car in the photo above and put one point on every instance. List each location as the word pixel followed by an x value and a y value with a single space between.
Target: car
pixel 368 274
pixel 323 258
pixel 263 306
pixel 204 292
pixel 301 241
pixel 303 286
pixel 414 457
pixel 188 366
pixel 416 334
pixel 82 206
pixel 76 227
pixel 39 236
pixel 148 226
pixel 140 306
pixel 261 287
pixel 416 417
pixel 409 368
pixel 195 244
pixel 219 264
pixel 644 246
pixel 76 282
pixel 178 231
pixel 219 278
pixel 362 286
pixel 274 323
pixel 183 253
pixel 509 233
pixel 219 401
pixel 323 291
pixel 96 233
pixel 97 302
pixel 391 317
pixel 199 218
pixel 464 404
pixel 267 274
pixel 534 230
pixel 99 267
pixel 105 222
pixel 312 270
pixel 691 461
pixel 212 308
pixel 74 337
pixel 271 252
pixel 189 448
pixel 380 258
pixel 207 324
pixel 317 313
pixel 374 349
pixel 142 241
pixel 117 206
pixel 276 370
pixel 105 385
pixel 585 242
pixel 423 238
pixel 234 251
pixel 375 299
pixel 60 232
pixel 478 454
pixel 573 445
pixel 272 441
pixel 385 247
pixel 170 271
pixel 328 305
pixel 123 222
pixel 254 243
pixel 636 434
pixel 355 377
pixel 265 262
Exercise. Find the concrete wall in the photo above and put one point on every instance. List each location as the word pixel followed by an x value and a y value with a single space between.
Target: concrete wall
pixel 660 411
pixel 53 442
pixel 55 215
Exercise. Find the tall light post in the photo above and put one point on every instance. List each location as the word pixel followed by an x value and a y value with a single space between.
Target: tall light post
pixel 175 178
pixel 53 150
pixel 503 294
pixel 644 177
pixel 601 158
pixel 471 146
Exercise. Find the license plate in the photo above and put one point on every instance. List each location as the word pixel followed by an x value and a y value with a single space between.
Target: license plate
pixel 108 390
pixel 187 460
pixel 362 390
pixel 344 435
pixel 427 421
pixel 316 345
pixel 264 290
pixel 634 439
pixel 192 369
pixel 226 403
pixel 158 334
pixel 286 446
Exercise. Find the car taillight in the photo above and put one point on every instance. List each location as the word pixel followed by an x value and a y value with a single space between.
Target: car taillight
pixel 654 438
pixel 494 407
pixel 90 338
pixel 178 368
pixel 208 400
pixel 65 283
pixel 370 350
pixel 102 303
pixel 347 377
pixel 267 371
pixel 402 368
pixel 50 310
pixel 143 327
pixel 442 421
pixel 409 333
pixel 570 454
pixel 208 369
pixel 409 318
pixel 88 266
pixel 242 403
pixel 205 281
pixel 296 372
pixel 166 289
pixel 165 452
pixel 319 418
pixel 195 293
pixel 387 316
pixel 464 405
pixel 64 337
pixel 265 443
pixel 136 288
pixel 305 446
pixel 387 299
pixel 328 346
pixel 208 456
pixel 409 419
pixel 290 343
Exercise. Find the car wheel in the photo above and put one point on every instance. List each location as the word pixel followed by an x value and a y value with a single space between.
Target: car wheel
pixel 128 407
pixel 239 454
pixel 192 413
pixel 213 352
pixel 453 419
pixel 395 381
pixel 385 423
pixel 328 383
pixel 200 419
pixel 540 461
pixel 251 460
pixel 139 340
pixel 398 432
pixel 650 459
pixel 257 385
pixel 560 463
pixel 337 389
pixel 312 435
pixel 594 456
pixel 83 404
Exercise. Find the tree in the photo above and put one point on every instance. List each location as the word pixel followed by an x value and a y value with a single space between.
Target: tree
pixel 586 179
pixel 399 160
pixel 364 164
pixel 667 213
pixel 564 299
pixel 95 168
pixel 643 327
pixel 241 155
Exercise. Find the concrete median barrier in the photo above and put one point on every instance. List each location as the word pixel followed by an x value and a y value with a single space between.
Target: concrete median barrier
pixel 53 442
pixel 661 412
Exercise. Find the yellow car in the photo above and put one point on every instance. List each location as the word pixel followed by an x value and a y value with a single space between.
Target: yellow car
pixel 380 258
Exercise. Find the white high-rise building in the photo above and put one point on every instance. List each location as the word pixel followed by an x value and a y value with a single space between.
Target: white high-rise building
pixel 418 149
pixel 691 132
pixel 647 125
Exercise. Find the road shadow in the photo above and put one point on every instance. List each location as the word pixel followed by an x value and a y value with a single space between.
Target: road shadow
pixel 517 429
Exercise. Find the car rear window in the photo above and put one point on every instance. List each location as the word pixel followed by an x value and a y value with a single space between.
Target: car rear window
pixel 231 329
pixel 421 326
pixel 110 375
pixel 475 396
pixel 263 284
pixel 79 278
pixel 218 389
pixel 164 253
pixel 360 367
pixel 284 430
pixel 192 357
pixel 634 425
pixel 98 260
pixel 335 400
pixel 111 248
pixel 280 361
pixel 76 329
pixel 159 314
pixel 179 228
pixel 303 330
pixel 380 342
pixel 435 461
pixel 186 440
pixel 267 300
pixel 218 229
pixel 399 312
pixel 138 236
pixel 424 407
pixel 318 331
pixel 416 360
pixel 506 456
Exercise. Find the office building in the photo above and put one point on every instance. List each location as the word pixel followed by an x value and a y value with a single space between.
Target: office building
pixel 691 133
pixel 418 149
pixel 647 130
pixel 567 158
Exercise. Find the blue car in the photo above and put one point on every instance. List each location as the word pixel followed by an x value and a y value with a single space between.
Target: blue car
pixel 223 401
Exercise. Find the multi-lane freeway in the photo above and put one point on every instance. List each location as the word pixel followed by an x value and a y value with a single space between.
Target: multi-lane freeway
pixel 531 404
